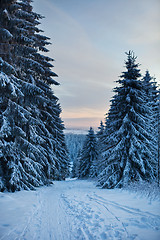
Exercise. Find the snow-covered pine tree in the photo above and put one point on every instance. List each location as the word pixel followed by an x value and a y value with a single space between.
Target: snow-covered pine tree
pixel 39 145
pixel 28 171
pixel 128 146
pixel 100 130
pixel 100 135
pixel 150 87
pixel 88 157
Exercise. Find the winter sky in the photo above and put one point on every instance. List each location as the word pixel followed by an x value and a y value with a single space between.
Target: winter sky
pixel 89 40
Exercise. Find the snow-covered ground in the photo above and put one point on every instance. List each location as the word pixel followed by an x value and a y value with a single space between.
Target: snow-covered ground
pixel 77 210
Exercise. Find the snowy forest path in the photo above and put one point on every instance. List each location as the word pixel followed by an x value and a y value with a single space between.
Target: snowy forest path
pixel 77 210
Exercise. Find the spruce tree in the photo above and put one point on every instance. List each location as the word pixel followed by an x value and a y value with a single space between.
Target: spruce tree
pixel 100 130
pixel 88 157
pixel 150 87
pixel 30 104
pixel 100 135
pixel 128 145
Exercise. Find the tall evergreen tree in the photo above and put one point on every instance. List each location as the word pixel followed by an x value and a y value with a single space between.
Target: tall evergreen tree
pixel 150 87
pixel 88 157
pixel 100 135
pixel 100 130
pixel 128 146
pixel 37 148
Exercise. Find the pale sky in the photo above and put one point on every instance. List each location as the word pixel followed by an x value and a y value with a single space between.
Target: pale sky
pixel 89 40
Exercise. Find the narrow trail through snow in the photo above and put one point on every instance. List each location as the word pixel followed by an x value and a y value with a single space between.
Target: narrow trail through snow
pixel 77 210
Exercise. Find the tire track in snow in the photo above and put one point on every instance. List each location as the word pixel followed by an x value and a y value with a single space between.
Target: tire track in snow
pixel 55 224
pixel 33 224
pixel 123 207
